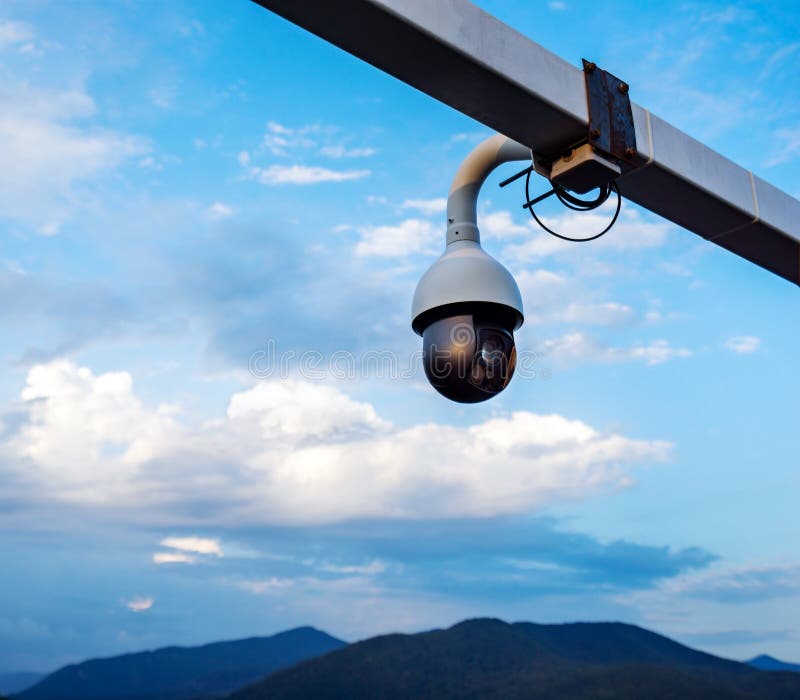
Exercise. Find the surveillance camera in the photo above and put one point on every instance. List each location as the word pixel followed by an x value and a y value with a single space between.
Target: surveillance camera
pixel 467 305
pixel 466 308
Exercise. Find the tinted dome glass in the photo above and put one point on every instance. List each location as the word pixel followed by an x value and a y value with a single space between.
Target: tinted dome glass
pixel 468 358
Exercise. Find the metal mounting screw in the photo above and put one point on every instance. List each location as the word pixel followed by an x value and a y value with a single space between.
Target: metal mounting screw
pixel 595 133
pixel 630 152
pixel 591 67
pixel 623 88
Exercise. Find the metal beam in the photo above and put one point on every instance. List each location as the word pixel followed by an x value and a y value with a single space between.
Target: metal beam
pixel 462 56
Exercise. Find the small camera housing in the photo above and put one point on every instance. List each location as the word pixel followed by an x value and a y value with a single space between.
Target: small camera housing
pixel 466 308
pixel 583 170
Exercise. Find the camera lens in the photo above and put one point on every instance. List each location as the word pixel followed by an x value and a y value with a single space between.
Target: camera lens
pixel 491 352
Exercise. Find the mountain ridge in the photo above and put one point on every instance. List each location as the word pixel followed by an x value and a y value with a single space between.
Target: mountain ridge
pixel 180 673
pixel 489 658
pixel 477 658
pixel 16 681
pixel 765 662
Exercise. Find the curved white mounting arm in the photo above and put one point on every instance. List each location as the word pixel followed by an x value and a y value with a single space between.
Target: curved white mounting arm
pixel 462 203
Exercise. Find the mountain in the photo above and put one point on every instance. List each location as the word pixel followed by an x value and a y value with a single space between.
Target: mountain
pixel 177 673
pixel 523 661
pixel 770 663
pixel 15 682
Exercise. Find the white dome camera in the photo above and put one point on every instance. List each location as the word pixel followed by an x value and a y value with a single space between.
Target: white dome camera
pixel 467 305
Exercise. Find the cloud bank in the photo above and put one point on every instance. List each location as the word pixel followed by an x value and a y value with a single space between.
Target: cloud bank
pixel 296 452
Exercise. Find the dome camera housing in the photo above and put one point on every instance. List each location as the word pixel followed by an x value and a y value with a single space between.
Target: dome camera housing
pixel 466 308
pixel 467 305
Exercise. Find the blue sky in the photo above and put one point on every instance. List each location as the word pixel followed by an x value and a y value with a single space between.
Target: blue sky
pixel 187 188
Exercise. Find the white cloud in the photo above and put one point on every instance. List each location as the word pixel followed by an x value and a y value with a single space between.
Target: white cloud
pixel 276 128
pixel 428 207
pixel 298 410
pixel 12 266
pixel 439 471
pixel 406 238
pixel 631 232
pixel 312 587
pixel 726 15
pixel 190 28
pixel 724 596
pixel 280 139
pixel 299 452
pixel 188 549
pixel 573 348
pixel 150 163
pixel 219 210
pixel 656 352
pixel 542 284
pixel 199 545
pixel 79 433
pixel 340 151
pixel 557 5
pixel 302 175
pixel 499 225
pixel 654 316
pixel 163 95
pixel 139 604
pixel 268 585
pixel 786 149
pixel 578 348
pixel 49 228
pixel 374 567
pixel 736 583
pixel 469 136
pixel 49 156
pixel 173 558
pixel 608 313
pixel 550 297
pixel 13 33
pixel 743 344
pixel 724 583
pixel 781 58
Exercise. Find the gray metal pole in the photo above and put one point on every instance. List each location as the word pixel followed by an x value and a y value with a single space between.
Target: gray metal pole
pixel 464 57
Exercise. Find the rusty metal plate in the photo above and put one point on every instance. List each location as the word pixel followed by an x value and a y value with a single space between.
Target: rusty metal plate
pixel 611 128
